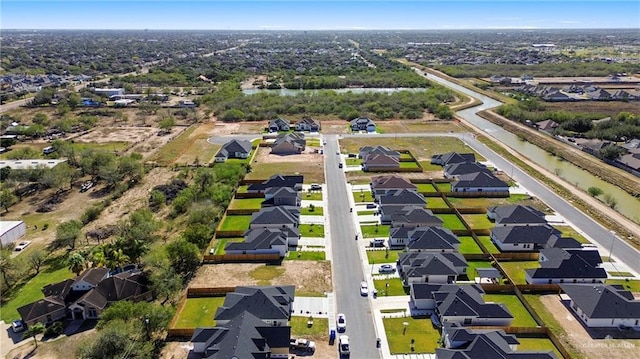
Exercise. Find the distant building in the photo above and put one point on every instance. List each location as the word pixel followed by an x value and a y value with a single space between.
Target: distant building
pixel 108 92
pixel 11 231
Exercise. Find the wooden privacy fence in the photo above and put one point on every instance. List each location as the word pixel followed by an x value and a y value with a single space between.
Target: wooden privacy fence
pixel 516 256
pixel 477 194
pixel 229 234
pixel 243 195
pixel 209 292
pixel 242 212
pixel 241 258
pixel 180 333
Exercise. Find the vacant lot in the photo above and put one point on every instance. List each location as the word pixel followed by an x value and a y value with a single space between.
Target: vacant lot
pixel 310 165
pixel 311 278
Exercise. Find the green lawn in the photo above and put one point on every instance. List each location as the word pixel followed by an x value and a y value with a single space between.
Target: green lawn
pixel 306 256
pixel 515 270
pixel 408 164
pixel 364 196
pixel 471 269
pixel 353 161
pixel 198 312
pixel 425 188
pixel 299 327
pixel 242 189
pixel 366 213
pixel 220 243
pixel 395 287
pixel 377 231
pixel 317 211
pixel 311 230
pixel 486 241
pixel 383 257
pixel 312 196
pixel 419 329
pixel 468 245
pixel 521 318
pixel 478 221
pixel 31 291
pixel 436 202
pixel 537 344
pixel 246 203
pixel 451 221
pixel 568 231
pixel 630 285
pixel 444 186
pixel 235 223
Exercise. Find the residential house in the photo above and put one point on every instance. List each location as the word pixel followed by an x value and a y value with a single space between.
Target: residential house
pixel 432 239
pixel 558 265
pixel 89 279
pixel 410 216
pixel 362 124
pixel 632 145
pixel 387 183
pixel 272 304
pixel 602 305
pixel 265 241
pixel 377 150
pixel 425 267
pixel 547 125
pixel 452 157
pixel 479 182
pixel 289 143
pixel 307 124
pixel 629 162
pixel 46 310
pixel 276 217
pixel 515 215
pixel 593 147
pixel 463 168
pixel 234 149
pixel 278 124
pixel 253 322
pixel 293 181
pixel 462 305
pixel 281 196
pixel 460 342
pixel 402 197
pixel 524 238
pixel 380 162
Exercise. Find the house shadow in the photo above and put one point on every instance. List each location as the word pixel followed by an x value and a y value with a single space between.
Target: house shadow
pixel 604 332
pixel 15 337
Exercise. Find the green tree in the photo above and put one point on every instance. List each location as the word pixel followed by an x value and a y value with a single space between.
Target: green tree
pixel 165 284
pixel 8 268
pixel 67 233
pixel 119 339
pixel 36 260
pixel 157 199
pixel 233 115
pixel 7 199
pixel 32 331
pixel 77 263
pixel 184 257
pixel 41 119
pixel 58 176
pixel 167 123
pixel 594 191
pixel 198 234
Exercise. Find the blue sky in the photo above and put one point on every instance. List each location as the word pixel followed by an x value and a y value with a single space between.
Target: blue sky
pixel 317 14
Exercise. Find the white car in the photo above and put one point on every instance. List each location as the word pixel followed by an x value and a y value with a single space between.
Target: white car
pixel 364 288
pixel 386 268
pixel 22 245
pixel 343 346
pixel 341 323
pixel 17 326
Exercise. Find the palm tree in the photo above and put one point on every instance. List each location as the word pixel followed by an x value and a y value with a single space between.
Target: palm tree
pixel 76 263
pixel 32 331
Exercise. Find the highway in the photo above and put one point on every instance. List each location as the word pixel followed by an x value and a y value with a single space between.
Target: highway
pixel 347 266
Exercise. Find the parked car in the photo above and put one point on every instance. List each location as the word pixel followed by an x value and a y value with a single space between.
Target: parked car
pixel 364 288
pixel 86 186
pixel 343 346
pixel 386 268
pixel 341 323
pixel 304 345
pixel 17 326
pixel 340 165
pixel 315 187
pixel 22 245
pixel 376 243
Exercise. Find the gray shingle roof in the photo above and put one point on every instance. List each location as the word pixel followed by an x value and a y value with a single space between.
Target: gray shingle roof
pixel 273 215
pixel 568 264
pixel 478 179
pixel 391 182
pixel 432 238
pixel 490 345
pixel 269 302
pixel 517 214
pixel 412 215
pixel 539 235
pixel 402 197
pixel 603 301
pixel 461 168
pixel 293 181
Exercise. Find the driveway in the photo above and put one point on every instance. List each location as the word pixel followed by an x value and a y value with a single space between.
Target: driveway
pixel 8 339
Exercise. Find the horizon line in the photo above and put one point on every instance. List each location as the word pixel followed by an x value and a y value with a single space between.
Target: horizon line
pixel 328 29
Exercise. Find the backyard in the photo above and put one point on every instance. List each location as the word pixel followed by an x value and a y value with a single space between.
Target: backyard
pixel 198 312
pixel 451 221
pixel 515 270
pixel 521 317
pixel 468 245
pixel 235 223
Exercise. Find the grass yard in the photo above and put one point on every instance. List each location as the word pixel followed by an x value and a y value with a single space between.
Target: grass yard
pixel 353 161
pixel 390 256
pixel 483 202
pixel 550 321
pixel 175 148
pixel 395 287
pixel 366 213
pixel 538 344
pixel 246 203
pixel 451 221
pixel 568 231
pixel 620 274
pixel 375 231
pixel 444 186
pixel 363 196
pixel 436 202
pixel 409 165
pixel 311 230
pixel 521 317
pixel 306 256
pixel 468 245
pixel 317 211
pixel 471 269
pixel 266 273
pixel 515 270
pixel 630 285
pixel 488 244
pixel 420 330
pixel 299 327
pixel 311 196
pixel 242 189
pixel 478 221
pixel 32 291
pixel 198 312
pixel 220 243
pixel 235 223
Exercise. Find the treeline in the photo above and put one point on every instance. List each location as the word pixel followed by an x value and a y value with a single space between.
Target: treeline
pixel 368 79
pixel 232 105
pixel 539 70
pixel 621 127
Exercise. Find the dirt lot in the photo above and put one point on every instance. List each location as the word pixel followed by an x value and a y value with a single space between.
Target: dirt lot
pixel 307 276
pixel 311 165
pixel 582 340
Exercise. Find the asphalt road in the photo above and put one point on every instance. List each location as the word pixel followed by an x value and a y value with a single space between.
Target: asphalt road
pixel 347 268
